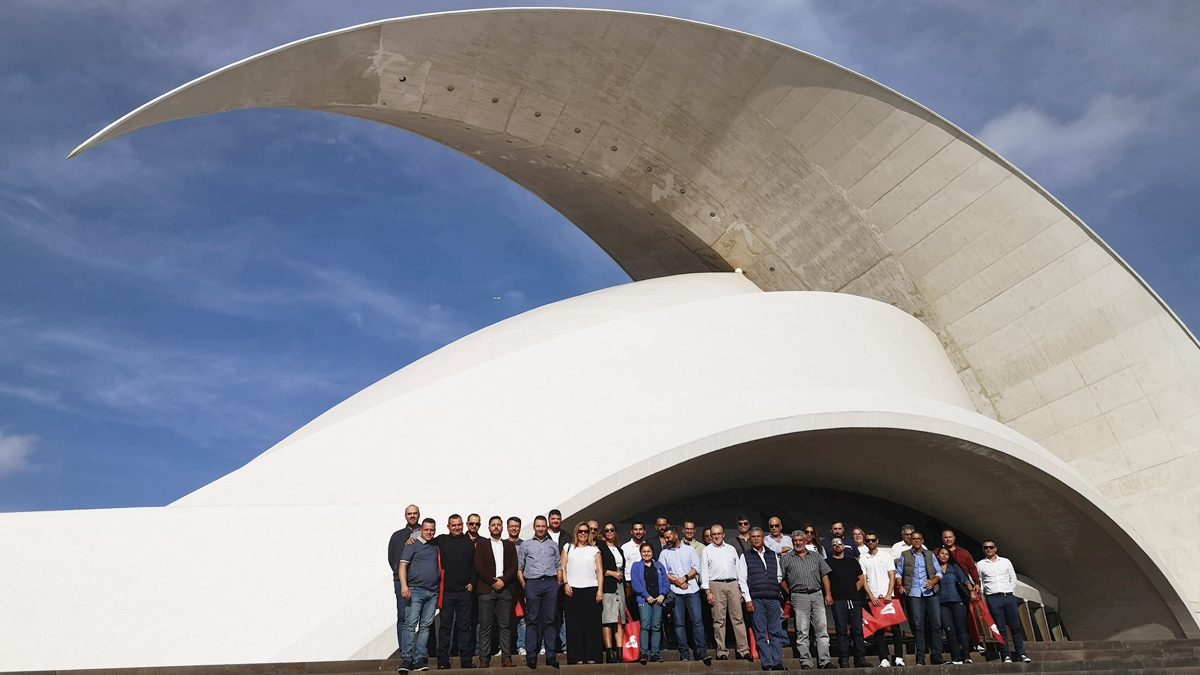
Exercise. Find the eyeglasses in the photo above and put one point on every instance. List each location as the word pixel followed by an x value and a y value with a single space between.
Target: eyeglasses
pixel 743 522
pixel 775 525
pixel 583 530
pixel 810 532
pixel 873 539
pixel 593 529
pixel 610 529
pixel 989 548
pixel 473 524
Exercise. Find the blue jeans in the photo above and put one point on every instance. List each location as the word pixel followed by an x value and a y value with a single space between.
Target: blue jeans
pixel 401 608
pixel 687 609
pixel 651 638
pixel 924 609
pixel 418 617
pixel 768 631
pixel 1004 613
pixel 541 608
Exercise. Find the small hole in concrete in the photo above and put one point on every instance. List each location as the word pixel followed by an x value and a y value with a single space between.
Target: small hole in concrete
pixel 649 169
pixel 449 87
pixel 683 191
pixel 578 130
pixel 403 78
pixel 613 148
pixel 712 214
pixel 537 114
pixel 495 99
pixel 771 269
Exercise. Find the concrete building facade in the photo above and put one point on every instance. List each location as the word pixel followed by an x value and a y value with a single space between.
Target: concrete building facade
pixel 1038 361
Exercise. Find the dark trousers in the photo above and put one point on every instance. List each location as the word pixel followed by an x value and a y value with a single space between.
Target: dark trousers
pixel 898 632
pixel 768 632
pixel 954 620
pixel 456 623
pixel 583 626
pixel 495 623
pixel 926 609
pixel 541 606
pixel 401 605
pixel 847 620
pixel 1005 614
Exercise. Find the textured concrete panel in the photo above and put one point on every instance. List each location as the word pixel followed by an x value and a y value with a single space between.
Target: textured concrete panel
pixel 731 151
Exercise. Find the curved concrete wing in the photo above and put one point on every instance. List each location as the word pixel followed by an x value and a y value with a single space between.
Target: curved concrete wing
pixel 632 397
pixel 682 147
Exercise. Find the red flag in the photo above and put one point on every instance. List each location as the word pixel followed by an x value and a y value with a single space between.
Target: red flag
pixel 982 608
pixel 877 618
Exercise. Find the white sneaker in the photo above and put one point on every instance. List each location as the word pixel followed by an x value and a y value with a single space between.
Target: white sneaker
pixel 542 650
pixel 1026 659
pixel 956 663
pixel 521 651
pixel 885 664
pixel 900 661
pixel 1008 659
pixel 980 648
pixel 968 660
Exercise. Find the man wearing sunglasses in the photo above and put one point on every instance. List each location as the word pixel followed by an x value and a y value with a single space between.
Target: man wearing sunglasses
pixel 742 541
pixel 879 583
pixel 999 583
pixel 777 541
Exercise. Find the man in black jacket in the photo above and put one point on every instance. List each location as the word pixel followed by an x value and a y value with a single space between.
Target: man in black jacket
pixel 458 573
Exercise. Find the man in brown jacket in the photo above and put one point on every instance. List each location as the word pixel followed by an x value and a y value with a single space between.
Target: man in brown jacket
pixel 496 567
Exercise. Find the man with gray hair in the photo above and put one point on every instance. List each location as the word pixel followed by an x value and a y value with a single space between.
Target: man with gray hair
pixel 806 577
pixel 723 577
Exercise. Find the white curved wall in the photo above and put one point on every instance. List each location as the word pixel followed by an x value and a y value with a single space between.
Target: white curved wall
pixel 282 560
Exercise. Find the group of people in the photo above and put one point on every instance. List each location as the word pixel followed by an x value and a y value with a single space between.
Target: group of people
pixel 577 590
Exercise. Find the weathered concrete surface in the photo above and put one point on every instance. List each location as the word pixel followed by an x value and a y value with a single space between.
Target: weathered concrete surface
pixel 682 147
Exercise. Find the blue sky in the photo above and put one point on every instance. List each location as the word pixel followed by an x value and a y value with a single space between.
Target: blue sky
pixel 175 302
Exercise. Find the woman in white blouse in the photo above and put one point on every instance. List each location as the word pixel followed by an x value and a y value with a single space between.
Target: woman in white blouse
pixel 582 574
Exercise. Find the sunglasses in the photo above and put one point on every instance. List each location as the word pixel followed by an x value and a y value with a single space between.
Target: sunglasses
pixel 474 524
pixel 989 548
pixel 583 530
pixel 775 525
pixel 810 532
pixel 610 529
pixel 873 539
pixel 743 522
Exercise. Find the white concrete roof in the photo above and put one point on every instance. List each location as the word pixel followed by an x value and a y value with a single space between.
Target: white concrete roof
pixel 682 147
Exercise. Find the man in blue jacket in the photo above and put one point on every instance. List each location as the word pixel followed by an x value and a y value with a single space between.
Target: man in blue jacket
pixel 763 574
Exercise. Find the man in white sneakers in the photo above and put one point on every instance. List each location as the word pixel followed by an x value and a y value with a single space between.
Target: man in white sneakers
pixel 999 582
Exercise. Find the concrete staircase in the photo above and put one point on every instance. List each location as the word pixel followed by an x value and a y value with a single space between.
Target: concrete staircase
pixel 1152 657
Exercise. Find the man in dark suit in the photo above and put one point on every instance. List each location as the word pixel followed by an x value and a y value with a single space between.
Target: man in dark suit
pixel 496 567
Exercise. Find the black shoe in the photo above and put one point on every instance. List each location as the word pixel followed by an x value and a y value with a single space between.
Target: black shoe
pixel 708 660
pixel 748 656
pixel 843 663
pixel 404 668
pixel 723 657
pixel 467 665
pixel 860 663
pixel 531 661
pixel 828 665
pixel 643 660
pixel 443 666
pixel 421 667
pixel 805 666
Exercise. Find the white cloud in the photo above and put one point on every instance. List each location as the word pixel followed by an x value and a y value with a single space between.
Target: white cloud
pixel 1068 152
pixel 14 453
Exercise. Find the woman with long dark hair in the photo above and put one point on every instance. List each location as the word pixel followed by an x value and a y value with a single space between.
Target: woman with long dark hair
pixel 953 594
pixel 612 611
pixel 582 574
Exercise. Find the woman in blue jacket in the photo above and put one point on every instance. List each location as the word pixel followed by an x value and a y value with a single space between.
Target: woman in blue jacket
pixel 954 610
pixel 650 587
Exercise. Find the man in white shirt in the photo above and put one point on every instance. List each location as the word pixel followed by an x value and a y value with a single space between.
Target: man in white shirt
pixel 723 577
pixel 682 570
pixel 633 548
pixel 999 582
pixel 777 541
pixel 879 572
